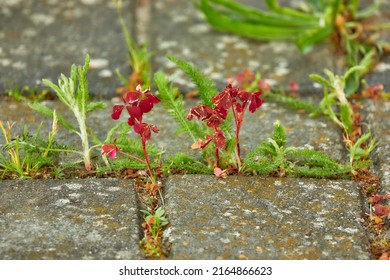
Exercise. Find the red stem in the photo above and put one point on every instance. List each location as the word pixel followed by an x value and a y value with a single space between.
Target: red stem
pixel 238 128
pixel 147 161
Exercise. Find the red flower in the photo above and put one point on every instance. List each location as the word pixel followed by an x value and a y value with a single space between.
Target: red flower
pixel 137 103
pixel 244 78
pixel 144 130
pixel 218 138
pixel 263 85
pixel 226 98
pixel 214 117
pixel 110 149
pixel 252 99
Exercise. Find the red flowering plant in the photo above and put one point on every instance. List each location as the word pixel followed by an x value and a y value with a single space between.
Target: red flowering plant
pixel 236 100
pixel 137 103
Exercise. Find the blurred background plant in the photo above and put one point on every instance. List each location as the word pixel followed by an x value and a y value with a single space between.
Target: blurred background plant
pixel 138 56
pixel 355 32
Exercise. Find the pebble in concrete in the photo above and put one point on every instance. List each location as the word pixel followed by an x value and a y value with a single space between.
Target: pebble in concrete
pixel 72 219
pixel 264 218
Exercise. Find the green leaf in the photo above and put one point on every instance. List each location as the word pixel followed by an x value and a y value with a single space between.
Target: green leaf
pixel 96 105
pixel 206 87
pixel 345 116
pixel 49 112
pixel 62 95
pixel 173 103
pixel 82 90
pixel 183 162
pixel 279 135
pixel 321 80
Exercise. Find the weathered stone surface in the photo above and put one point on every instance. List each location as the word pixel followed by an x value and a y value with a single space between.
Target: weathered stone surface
pixel 264 218
pixel 72 219
pixel 220 55
pixel 378 118
pixel 42 39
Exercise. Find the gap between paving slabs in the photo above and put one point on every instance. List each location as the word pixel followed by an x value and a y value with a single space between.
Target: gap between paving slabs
pixel 69 219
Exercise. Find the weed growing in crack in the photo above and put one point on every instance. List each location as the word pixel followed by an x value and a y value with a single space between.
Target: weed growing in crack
pixel 27 155
pixel 73 92
pixel 153 229
pixel 274 157
pixel 137 103
pixel 336 106
pixel 220 149
pixel 139 59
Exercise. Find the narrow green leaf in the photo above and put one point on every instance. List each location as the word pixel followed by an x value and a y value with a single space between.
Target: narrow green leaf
pixel 49 112
pixel 345 116
pixel 95 105
pixel 206 87
pixel 321 80
pixel 173 103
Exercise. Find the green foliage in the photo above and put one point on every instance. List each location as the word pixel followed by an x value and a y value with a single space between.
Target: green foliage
pixel 27 93
pixel 26 155
pixel 207 90
pixel 291 102
pixel 153 227
pixel 180 162
pixel 334 103
pixel 278 23
pixel 73 92
pixel 139 57
pixel 359 152
pixel 273 157
pixel 173 103
pixel 206 87
pixel 130 146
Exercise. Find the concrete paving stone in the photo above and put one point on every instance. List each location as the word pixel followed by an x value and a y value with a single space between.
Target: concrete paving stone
pixel 43 38
pixel 72 219
pixel 220 55
pixel 378 119
pixel 313 133
pixel 379 125
pixel 264 218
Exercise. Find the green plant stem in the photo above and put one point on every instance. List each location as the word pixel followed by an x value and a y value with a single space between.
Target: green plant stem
pixel 132 156
pixel 147 162
pixel 238 128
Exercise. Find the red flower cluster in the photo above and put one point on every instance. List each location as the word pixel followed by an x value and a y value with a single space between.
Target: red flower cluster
pixel 230 98
pixel 137 103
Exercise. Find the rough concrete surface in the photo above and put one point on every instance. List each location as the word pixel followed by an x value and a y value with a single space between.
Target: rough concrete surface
pixel 72 219
pixel 43 38
pixel 264 218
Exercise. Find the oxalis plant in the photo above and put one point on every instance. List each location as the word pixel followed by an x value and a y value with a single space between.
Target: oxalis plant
pixel 221 147
pixel 73 92
pixel 217 110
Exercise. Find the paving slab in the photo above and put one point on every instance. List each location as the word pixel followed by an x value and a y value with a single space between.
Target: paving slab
pixel 221 55
pixel 72 219
pixel 43 38
pixel 264 218
pixel 378 119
